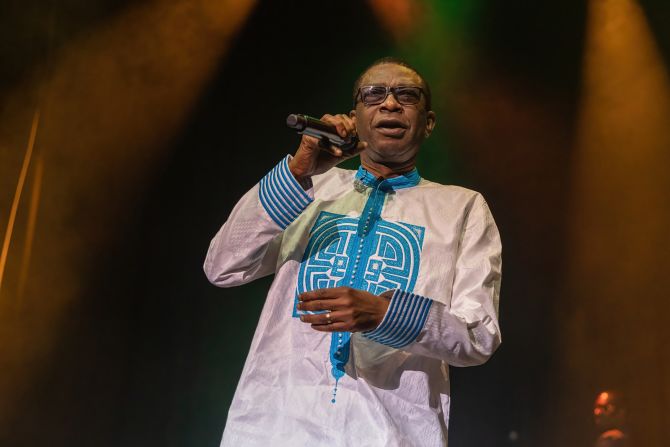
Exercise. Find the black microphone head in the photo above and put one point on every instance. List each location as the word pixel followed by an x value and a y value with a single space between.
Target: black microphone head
pixel 295 121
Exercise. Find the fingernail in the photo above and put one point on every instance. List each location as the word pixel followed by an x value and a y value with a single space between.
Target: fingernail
pixel 302 318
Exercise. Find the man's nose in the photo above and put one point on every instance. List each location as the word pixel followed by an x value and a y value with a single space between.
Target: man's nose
pixel 391 103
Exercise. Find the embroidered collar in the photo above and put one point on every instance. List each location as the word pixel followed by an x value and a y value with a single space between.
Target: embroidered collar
pixel 406 180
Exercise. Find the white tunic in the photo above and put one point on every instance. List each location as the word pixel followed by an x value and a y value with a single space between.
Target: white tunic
pixel 436 246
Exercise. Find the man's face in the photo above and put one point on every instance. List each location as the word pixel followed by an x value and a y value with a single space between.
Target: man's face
pixel 393 131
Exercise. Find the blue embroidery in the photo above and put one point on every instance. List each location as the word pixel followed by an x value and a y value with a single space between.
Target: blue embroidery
pixel 281 195
pixel 393 261
pixel 403 321
pixel 386 256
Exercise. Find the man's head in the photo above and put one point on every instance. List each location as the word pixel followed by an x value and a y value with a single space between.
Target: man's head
pixel 393 120
pixel 609 410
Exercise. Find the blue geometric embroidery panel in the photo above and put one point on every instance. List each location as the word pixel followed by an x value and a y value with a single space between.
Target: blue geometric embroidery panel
pixel 394 261
pixel 391 260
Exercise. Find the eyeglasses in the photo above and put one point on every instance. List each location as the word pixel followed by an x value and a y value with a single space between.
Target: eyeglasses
pixel 377 94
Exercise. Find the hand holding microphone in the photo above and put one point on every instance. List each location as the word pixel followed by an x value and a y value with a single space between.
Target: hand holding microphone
pixel 329 134
pixel 325 143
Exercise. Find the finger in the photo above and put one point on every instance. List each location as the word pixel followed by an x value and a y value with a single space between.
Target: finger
pixel 313 145
pixel 324 318
pixel 314 305
pixel 335 327
pixel 325 293
pixel 311 319
pixel 348 124
pixel 324 144
pixel 309 141
pixel 338 123
pixel 319 305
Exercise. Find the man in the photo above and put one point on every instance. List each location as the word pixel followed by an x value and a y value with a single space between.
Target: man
pixel 609 414
pixel 383 279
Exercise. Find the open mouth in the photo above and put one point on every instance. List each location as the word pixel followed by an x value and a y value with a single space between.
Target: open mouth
pixel 391 127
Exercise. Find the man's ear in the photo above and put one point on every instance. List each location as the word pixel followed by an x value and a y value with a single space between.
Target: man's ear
pixel 430 123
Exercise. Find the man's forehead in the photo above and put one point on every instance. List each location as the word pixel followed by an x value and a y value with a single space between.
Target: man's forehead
pixel 391 74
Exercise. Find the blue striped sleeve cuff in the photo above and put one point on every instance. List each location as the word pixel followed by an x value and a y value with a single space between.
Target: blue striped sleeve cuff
pixel 403 321
pixel 282 196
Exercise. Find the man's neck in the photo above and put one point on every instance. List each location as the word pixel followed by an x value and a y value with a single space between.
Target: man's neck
pixel 387 169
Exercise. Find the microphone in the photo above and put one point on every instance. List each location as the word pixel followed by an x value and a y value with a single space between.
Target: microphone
pixel 325 132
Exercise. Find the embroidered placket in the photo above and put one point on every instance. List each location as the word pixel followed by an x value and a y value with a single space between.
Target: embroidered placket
pixel 340 341
pixel 363 243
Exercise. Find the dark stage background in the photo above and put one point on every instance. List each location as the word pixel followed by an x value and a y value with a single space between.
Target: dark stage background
pixel 131 128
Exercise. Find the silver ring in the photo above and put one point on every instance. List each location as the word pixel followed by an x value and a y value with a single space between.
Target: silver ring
pixel 328 320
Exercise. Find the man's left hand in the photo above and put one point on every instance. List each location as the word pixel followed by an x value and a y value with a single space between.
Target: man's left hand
pixel 348 310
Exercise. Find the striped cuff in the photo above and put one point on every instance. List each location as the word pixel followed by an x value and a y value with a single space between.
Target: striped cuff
pixel 403 321
pixel 281 195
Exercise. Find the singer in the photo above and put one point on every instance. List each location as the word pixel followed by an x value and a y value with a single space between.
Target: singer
pixel 382 280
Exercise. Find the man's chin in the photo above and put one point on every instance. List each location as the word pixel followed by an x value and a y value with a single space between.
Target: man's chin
pixel 388 150
pixel 383 143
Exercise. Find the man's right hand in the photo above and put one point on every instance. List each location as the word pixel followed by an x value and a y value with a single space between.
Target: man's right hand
pixel 312 158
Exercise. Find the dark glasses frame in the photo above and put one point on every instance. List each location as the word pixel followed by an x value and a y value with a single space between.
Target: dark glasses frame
pixel 393 90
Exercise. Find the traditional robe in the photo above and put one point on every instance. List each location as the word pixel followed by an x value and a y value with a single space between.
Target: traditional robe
pixel 435 246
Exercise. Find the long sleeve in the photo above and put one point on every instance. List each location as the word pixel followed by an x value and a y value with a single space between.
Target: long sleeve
pixel 246 246
pixel 465 333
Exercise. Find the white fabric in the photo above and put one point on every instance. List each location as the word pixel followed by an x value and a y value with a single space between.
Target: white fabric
pixel 388 397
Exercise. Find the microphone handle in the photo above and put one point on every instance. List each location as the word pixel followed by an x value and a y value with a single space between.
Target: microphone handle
pixel 307 125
